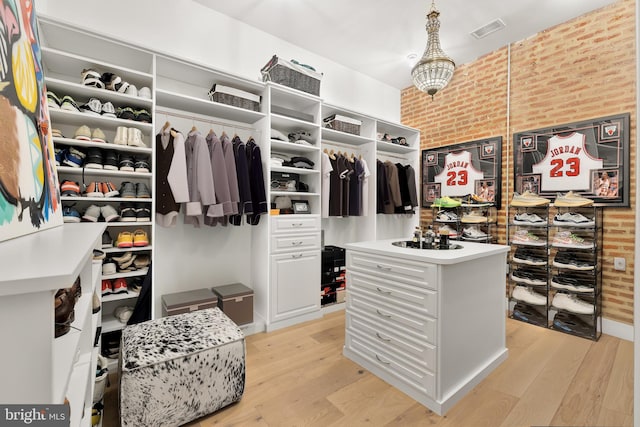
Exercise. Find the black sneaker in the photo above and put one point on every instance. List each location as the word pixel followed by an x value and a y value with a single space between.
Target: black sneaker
pixel 110 160
pixel 94 158
pixel 524 256
pixel 573 284
pixel 93 106
pixel 126 163
pixel 126 113
pixel 528 277
pixel 528 313
pixel 141 165
pixel 568 260
pixel 571 323
pixel 128 213
pixel 143 213
pixel 142 116
pixel 107 241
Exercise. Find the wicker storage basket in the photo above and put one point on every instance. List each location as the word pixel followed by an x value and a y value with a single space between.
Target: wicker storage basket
pixel 234 97
pixel 291 75
pixel 343 124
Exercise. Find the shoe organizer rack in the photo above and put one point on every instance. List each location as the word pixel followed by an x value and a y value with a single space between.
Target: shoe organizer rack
pixel 474 223
pixel 555 278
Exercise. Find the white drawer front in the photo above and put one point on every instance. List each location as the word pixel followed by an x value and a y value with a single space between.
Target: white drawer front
pixel 398 293
pixel 285 224
pixel 393 317
pixel 393 268
pixel 295 243
pixel 402 346
pixel 422 380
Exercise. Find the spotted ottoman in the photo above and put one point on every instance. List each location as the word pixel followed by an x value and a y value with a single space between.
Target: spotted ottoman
pixel 176 369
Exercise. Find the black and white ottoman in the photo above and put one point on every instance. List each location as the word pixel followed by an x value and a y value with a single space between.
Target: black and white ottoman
pixel 179 368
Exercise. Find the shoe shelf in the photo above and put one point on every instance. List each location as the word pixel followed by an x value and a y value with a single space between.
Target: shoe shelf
pixel 390 147
pixel 129 224
pixel 136 273
pixel 332 135
pixel 290 124
pixel 134 249
pixel 105 199
pixel 77 118
pixel 80 92
pixel 119 297
pixel 110 323
pixel 102 145
pixel 102 172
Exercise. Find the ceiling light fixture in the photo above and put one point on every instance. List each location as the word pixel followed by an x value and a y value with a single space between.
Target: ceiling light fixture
pixel 435 69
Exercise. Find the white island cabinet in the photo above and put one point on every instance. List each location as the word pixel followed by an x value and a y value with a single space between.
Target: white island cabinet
pixel 429 322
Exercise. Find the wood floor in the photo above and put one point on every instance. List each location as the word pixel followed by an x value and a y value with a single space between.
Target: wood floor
pixel 298 377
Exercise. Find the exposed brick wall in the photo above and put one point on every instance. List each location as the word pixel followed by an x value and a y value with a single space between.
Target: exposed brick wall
pixel 578 70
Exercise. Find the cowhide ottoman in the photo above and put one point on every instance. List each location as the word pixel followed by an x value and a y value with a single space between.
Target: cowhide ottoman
pixel 178 368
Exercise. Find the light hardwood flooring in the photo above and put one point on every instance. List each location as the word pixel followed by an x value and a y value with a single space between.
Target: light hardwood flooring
pixel 298 377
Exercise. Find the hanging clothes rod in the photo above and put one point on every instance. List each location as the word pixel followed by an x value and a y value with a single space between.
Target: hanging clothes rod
pixel 385 155
pixel 341 145
pixel 202 119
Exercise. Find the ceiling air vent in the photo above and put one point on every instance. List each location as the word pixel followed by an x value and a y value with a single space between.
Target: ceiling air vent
pixel 491 27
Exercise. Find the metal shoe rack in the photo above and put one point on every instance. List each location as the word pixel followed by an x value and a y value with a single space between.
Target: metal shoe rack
pixel 485 220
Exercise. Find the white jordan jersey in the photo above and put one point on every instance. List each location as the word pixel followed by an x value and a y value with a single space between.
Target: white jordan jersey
pixel 458 176
pixel 567 165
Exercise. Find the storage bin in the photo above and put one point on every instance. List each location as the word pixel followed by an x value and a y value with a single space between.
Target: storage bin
pixel 343 124
pixel 284 181
pixel 333 264
pixel 178 368
pixel 292 75
pixel 234 97
pixel 236 300
pixel 188 301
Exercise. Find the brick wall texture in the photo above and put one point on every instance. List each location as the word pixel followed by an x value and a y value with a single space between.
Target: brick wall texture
pixel 581 69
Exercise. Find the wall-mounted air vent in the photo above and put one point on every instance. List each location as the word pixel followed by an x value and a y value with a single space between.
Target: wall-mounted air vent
pixel 491 27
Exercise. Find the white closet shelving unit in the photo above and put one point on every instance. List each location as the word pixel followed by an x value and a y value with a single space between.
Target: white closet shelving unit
pixel 37 367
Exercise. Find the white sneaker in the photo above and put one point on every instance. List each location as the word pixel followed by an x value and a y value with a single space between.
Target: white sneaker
pixel 527 295
pixel 524 237
pixel 135 138
pixel 132 90
pixel 121 136
pixel 472 233
pixel 92 213
pixel 572 303
pixel 98 136
pixel 527 218
pixel 573 219
pixel 566 239
pixel 109 213
pixel 145 93
pixel 108 110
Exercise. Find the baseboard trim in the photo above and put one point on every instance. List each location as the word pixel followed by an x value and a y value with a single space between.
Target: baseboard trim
pixel 617 329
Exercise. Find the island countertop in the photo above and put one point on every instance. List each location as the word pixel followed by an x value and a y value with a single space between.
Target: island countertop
pixel 469 251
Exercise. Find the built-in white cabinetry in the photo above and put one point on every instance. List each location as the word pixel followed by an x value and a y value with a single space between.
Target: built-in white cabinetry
pixel 294 293
pixel 35 367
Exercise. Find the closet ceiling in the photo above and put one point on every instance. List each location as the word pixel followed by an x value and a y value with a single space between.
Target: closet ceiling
pixel 375 36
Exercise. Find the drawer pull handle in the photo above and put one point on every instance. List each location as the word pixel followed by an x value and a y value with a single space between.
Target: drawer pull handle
pixel 296 243
pixel 388 316
pixel 382 267
pixel 383 291
pixel 297 224
pixel 294 256
pixel 383 338
pixel 383 361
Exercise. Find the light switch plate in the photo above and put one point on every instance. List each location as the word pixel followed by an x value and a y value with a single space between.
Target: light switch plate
pixel 619 263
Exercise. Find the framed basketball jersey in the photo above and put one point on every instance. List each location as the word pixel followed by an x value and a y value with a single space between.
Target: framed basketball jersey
pixel 473 167
pixel 590 158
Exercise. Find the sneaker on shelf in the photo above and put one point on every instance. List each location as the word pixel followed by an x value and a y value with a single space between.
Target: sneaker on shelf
pixel 94 158
pixel 123 313
pixel 95 303
pixel 446 216
pixel 109 189
pixel 123 258
pixel 70 214
pixel 70 188
pixel 109 213
pixel 126 163
pixel 525 237
pixel 142 261
pixel 561 281
pixel 569 261
pixel 524 294
pixel 69 104
pixel 128 213
pixel 125 240
pixel 473 217
pixel 128 190
pixel 114 82
pixel 136 284
pixel 527 218
pixel 572 303
pixel 450 231
pixel 94 189
pixel 446 202
pixel 63 313
pixel 473 200
pixel 98 136
pixel 127 265
pixel 110 160
pixel 143 213
pixel 140 238
pixel 121 136
pixel 528 277
pixel 132 90
pixel 53 101
pixel 83 133
pixel 92 213
pixel 108 267
pixel 566 239
pixel 125 113
pixel 56 133
pixel 134 138
pixel 107 240
pixel 571 199
pixel 524 256
pixel 74 158
pixel 120 286
pixel 107 285
pixel 145 93
pixel 528 199
pixel 142 115
pixel 60 154
pixel 472 233
pixel 142 191
pixel 530 314
pixel 573 219
pixel 91 77
pixel 93 106
pixel 141 166
pixel 98 255
pixel 108 110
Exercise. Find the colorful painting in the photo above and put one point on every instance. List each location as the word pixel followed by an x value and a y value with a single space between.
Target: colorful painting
pixel 29 195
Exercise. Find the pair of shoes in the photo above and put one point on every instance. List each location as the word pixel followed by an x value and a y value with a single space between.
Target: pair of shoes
pixel 570 283
pixel 67 103
pixel 96 107
pixel 129 136
pixel 129 113
pixel 70 214
pixel 530 314
pixel 572 303
pixel 107 240
pixel 138 212
pixel 573 219
pixel 64 305
pixel 528 277
pixel 94 212
pixel 525 237
pixel 138 238
pixel 101 159
pixel 571 199
pixel 528 199
pixel 445 229
pixel 567 239
pixel 473 200
pixel 60 153
pixel 571 323
pixel 108 267
pixel 69 188
pixel 569 260
pixel 53 101
pixel 98 255
pixel 472 233
pixel 474 217
pixel 84 133
pixel 113 287
pixel 123 313
pixel 446 202
pixel 114 82
pixel 446 216
pixel 111 344
pixel 138 190
pixel 143 92
pixel 524 294
pixel 528 257
pixel 101 189
pixel 527 218
pixel 128 163
pixel 73 157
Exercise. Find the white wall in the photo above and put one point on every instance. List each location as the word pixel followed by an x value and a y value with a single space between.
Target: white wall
pixel 189 30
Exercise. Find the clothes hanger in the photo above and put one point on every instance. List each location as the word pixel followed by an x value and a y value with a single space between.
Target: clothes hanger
pixel 166 125
pixel 211 132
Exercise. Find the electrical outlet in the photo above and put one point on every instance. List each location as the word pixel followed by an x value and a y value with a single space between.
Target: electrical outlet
pixel 619 263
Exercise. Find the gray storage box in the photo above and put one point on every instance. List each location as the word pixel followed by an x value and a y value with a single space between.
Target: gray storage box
pixel 188 301
pixel 236 301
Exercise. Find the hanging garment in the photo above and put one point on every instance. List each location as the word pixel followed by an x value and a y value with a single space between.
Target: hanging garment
pixel 200 178
pixel 142 309
pixel 220 178
pixel 335 198
pixel 382 185
pixel 365 188
pixel 326 167
pixel 242 177
pixel 232 180
pixel 171 176
pixel 411 182
pixel 346 172
pixel 355 189
pixel 406 206
pixel 394 188
pixel 256 180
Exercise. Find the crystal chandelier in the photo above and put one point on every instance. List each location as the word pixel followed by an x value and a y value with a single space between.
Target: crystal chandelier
pixel 435 69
